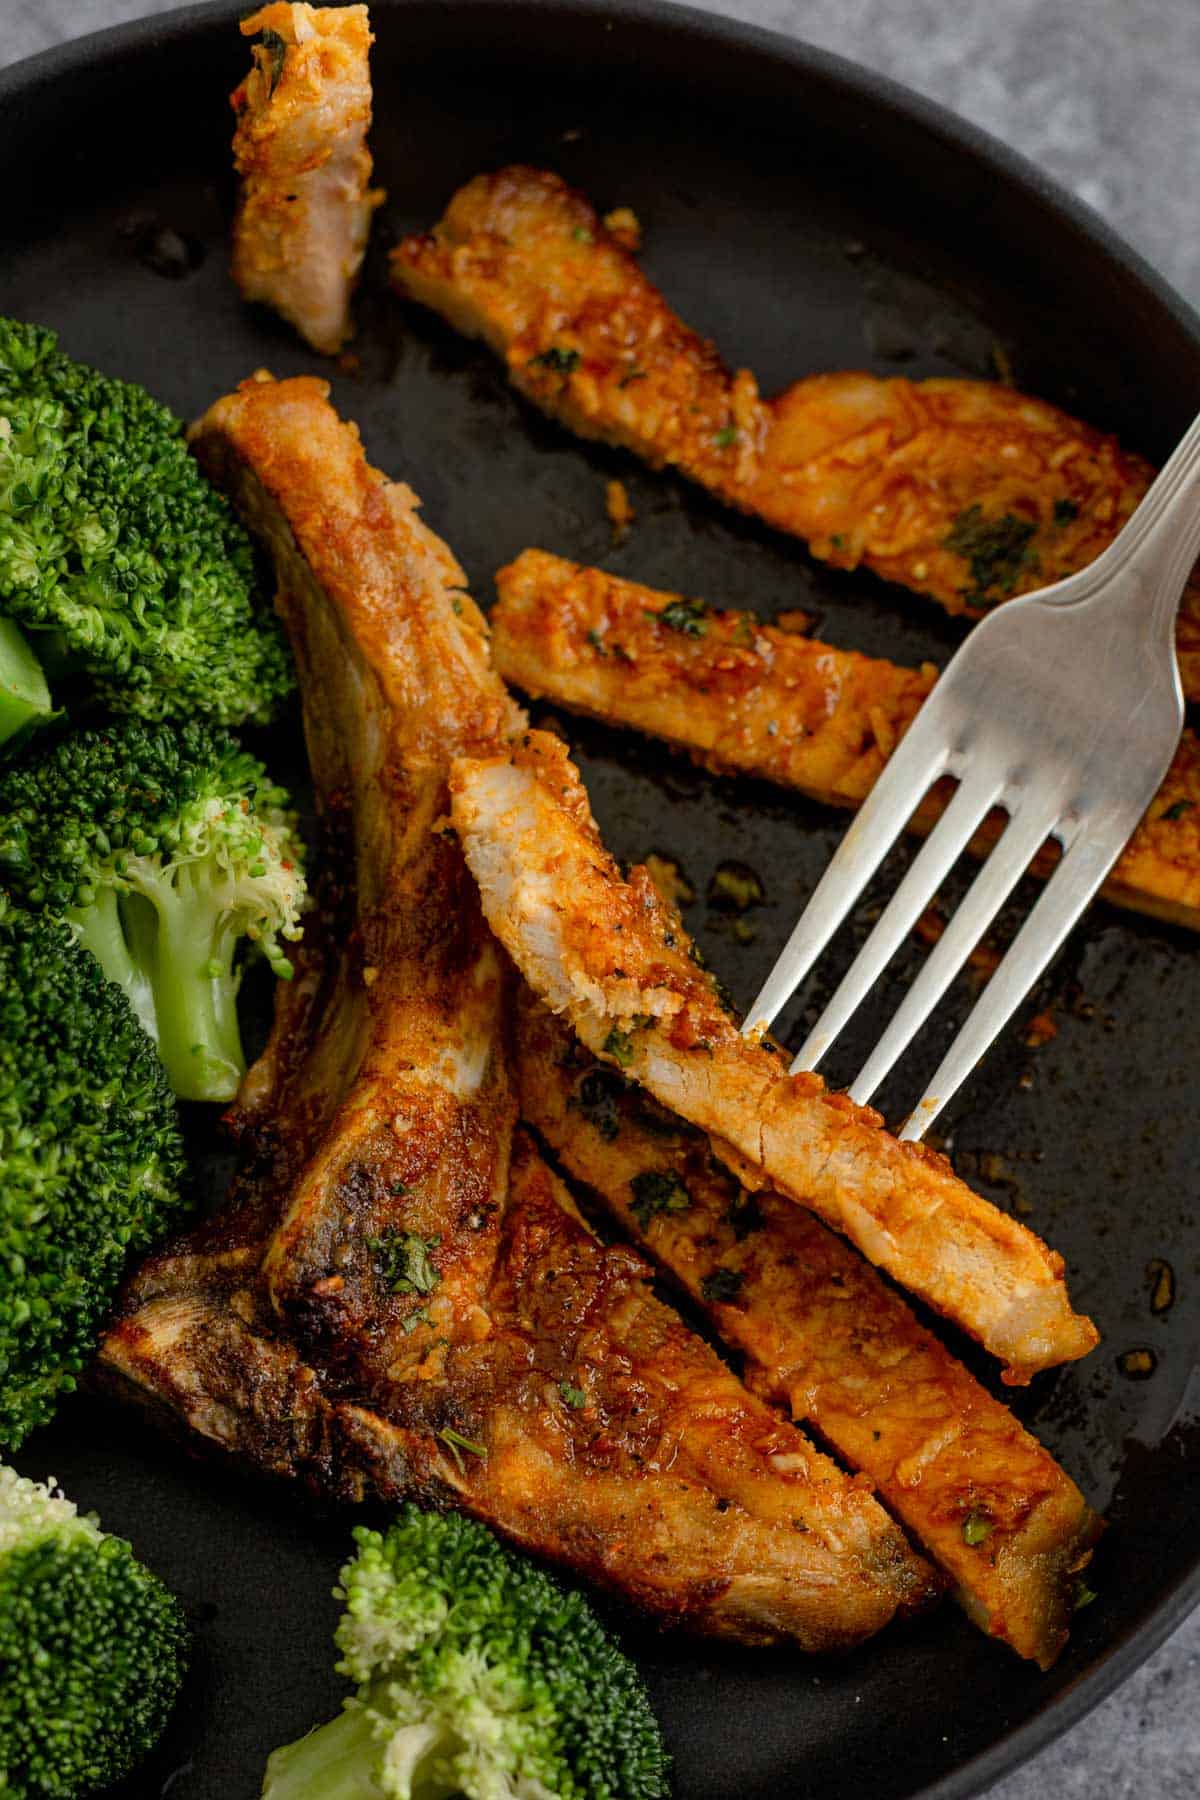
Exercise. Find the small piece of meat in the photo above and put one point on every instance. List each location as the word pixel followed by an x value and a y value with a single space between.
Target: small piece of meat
pixel 300 149
pixel 396 1299
pixel 962 490
pixel 746 698
pixel 607 953
pixel 823 1336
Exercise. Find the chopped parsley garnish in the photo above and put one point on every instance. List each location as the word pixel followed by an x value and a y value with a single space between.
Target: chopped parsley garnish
pixel 976 1527
pixel 726 437
pixel 582 235
pixel 657 1191
pixel 403 1261
pixel 277 49
pixel 595 640
pixel 723 1284
pixel 619 1045
pixel 419 1316
pixel 1065 511
pixel 735 887
pixel 689 617
pixel 1177 811
pixel 457 1442
pixel 573 1396
pixel 556 357
pixel 1084 1595
pixel 997 552
pixel 598 1098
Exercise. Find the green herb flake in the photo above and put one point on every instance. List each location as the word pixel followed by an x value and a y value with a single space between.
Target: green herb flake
pixel 630 375
pixel 403 1261
pixel 735 887
pixel 1065 511
pixel 419 1316
pixel 276 48
pixel 657 1191
pixel 997 551
pixel 572 1396
pixel 619 1045
pixel 688 617
pixel 557 357
pixel 456 1442
pixel 1084 1595
pixel 595 640
pixel 582 235
pixel 1178 809
pixel 976 1528
pixel 723 1285
pixel 726 437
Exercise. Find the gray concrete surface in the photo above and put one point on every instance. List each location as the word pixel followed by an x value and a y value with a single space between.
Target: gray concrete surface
pixel 1105 95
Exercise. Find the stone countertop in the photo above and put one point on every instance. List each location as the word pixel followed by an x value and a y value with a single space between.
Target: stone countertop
pixel 1104 95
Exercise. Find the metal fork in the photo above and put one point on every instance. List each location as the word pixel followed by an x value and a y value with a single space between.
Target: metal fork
pixel 1063 709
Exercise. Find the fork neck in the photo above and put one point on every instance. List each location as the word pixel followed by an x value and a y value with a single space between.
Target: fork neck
pixel 1159 546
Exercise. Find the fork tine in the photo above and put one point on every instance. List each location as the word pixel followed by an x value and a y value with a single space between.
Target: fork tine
pixel 1083 868
pixel 1023 837
pixel 975 797
pixel 906 779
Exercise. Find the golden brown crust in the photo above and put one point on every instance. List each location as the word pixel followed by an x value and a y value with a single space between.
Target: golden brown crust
pixel 963 490
pixel 743 697
pixel 305 200
pixel 823 1336
pixel 605 951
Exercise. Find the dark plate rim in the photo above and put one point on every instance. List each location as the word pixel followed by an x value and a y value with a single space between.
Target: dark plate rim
pixel 871 90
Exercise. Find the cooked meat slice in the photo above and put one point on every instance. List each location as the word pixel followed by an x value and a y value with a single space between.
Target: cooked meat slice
pixel 616 1440
pixel 963 490
pixel 380 1249
pixel 823 1336
pixel 605 951
pixel 748 698
pixel 300 149
pixel 431 1318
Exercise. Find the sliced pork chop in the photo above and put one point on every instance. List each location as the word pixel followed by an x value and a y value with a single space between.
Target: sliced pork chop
pixel 823 1336
pixel 300 148
pixel 434 1312
pixel 605 952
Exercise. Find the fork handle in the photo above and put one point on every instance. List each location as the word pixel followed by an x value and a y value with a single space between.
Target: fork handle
pixel 1159 545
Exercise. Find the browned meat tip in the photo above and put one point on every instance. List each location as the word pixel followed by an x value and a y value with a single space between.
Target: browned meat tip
pixel 398 1297
pixel 739 695
pixel 963 490
pixel 300 149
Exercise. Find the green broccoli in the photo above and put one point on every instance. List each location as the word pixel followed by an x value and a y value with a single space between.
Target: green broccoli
pixel 164 846
pixel 91 1160
pixel 478 1675
pixel 118 561
pixel 93 1649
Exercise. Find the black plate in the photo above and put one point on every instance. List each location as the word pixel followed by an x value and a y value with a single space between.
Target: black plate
pixel 808 217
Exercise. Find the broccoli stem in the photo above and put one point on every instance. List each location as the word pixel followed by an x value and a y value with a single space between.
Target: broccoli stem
pixel 24 696
pixel 101 930
pixel 331 1763
pixel 176 931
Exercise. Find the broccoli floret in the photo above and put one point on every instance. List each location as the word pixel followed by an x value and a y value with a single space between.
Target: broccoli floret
pixel 91 1160
pixel 118 561
pixel 93 1649
pixel 166 847
pixel 478 1675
